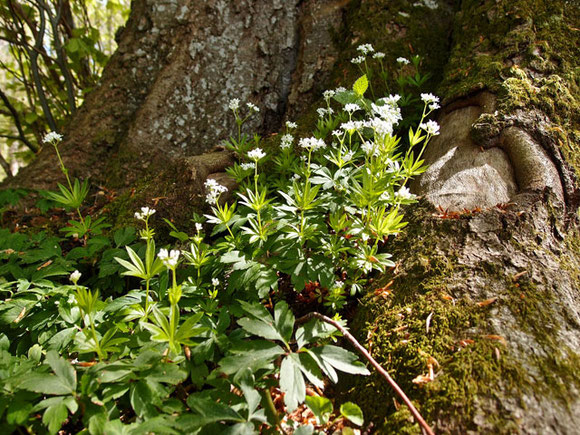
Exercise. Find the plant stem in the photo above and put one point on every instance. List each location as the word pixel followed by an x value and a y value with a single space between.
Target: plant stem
pixel 374 363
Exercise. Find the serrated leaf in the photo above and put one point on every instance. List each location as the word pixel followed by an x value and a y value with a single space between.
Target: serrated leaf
pixel 141 398
pixel 292 383
pixel 361 86
pixel 254 355
pixel 54 416
pixel 341 359
pixel 211 411
pixel 63 369
pixel 46 384
pixel 284 320
pixel 259 328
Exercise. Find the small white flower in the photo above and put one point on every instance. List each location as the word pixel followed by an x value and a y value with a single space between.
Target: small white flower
pixel 198 227
pixel 378 55
pixel 291 125
pixel 256 154
pixel 53 138
pixel 391 99
pixel 348 156
pixel 312 143
pixel 337 133
pixel 340 89
pixel 370 149
pixel 296 177
pixel 321 112
pixel 286 141
pixel 213 190
pixel 246 166
pixel 169 259
pixel 146 212
pixel 403 60
pixel 338 284
pixel 234 104
pixel 328 94
pixel 430 127
pixel 75 276
pixel 429 98
pixel 215 282
pixel 352 107
pixel 404 193
pixel 434 106
pixel 364 237
pixel 253 107
pixel 358 60
pixel 365 48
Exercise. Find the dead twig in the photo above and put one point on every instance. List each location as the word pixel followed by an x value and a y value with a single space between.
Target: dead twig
pixel 425 427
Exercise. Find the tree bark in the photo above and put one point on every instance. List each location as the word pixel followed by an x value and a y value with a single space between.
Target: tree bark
pixel 485 300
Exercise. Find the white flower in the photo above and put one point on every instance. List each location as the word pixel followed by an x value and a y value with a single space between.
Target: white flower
pixel 370 149
pixel 393 166
pixel 340 89
pixel 246 166
pixel 364 237
pixel 365 48
pixel 429 98
pixel 431 127
pixel 321 112
pixel 337 133
pixel 146 212
pixel 404 193
pixel 53 138
pixel 214 190
pixel 215 282
pixel 381 127
pixel 328 94
pixel 348 156
pixel 387 112
pixel 234 104
pixel 338 284
pixel 296 177
pixel 291 125
pixel 403 60
pixel 378 55
pixel 357 60
pixel 256 154
pixel 75 276
pixel 286 141
pixel 198 227
pixel 169 259
pixel 253 107
pixel 391 99
pixel 351 107
pixel 312 143
pixel 434 106
pixel 349 126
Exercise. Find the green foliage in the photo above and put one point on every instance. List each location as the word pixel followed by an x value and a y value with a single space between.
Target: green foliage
pixel 197 339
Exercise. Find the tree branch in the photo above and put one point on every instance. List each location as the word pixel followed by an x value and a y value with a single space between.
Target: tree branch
pixel 374 363
pixel 6 166
pixel 17 123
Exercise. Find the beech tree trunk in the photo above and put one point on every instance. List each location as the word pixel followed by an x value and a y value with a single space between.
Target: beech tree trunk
pixel 481 322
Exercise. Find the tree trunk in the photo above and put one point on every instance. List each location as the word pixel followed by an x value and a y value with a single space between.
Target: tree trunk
pixel 485 299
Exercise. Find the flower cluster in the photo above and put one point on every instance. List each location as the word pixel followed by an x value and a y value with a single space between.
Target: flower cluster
pixel 75 276
pixel 213 190
pixel 169 259
pixel 286 141
pixel 256 154
pixel 52 138
pixel 145 213
pixel 248 166
pixel 234 104
pixel 365 49
pixel 403 60
pixel 253 107
pixel 291 125
pixel 352 107
pixel 312 143
pixel 430 127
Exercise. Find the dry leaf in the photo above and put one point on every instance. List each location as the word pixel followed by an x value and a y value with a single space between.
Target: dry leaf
pixel 487 302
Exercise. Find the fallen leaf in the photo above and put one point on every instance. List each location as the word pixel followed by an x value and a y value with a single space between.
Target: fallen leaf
pixel 499 338
pixel 487 302
pixel 42 266
pixel 421 379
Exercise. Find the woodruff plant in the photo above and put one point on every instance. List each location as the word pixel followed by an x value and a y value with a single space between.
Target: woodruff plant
pixel 193 347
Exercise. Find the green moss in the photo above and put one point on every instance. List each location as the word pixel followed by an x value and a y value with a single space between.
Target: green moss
pixel 478 374
pixel 521 51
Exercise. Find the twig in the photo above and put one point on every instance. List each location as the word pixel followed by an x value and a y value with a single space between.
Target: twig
pixel 17 123
pixel 374 363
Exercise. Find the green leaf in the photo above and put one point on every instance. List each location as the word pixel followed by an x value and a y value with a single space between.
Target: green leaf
pixel 292 383
pixel 284 320
pixel 361 86
pixel 141 399
pixel 321 407
pixel 46 384
pixel 339 358
pixel 124 236
pixel 304 430
pixel 63 369
pixel 261 329
pixel 352 412
pixel 54 417
pixel 18 411
pixel 254 355
pixel 211 411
